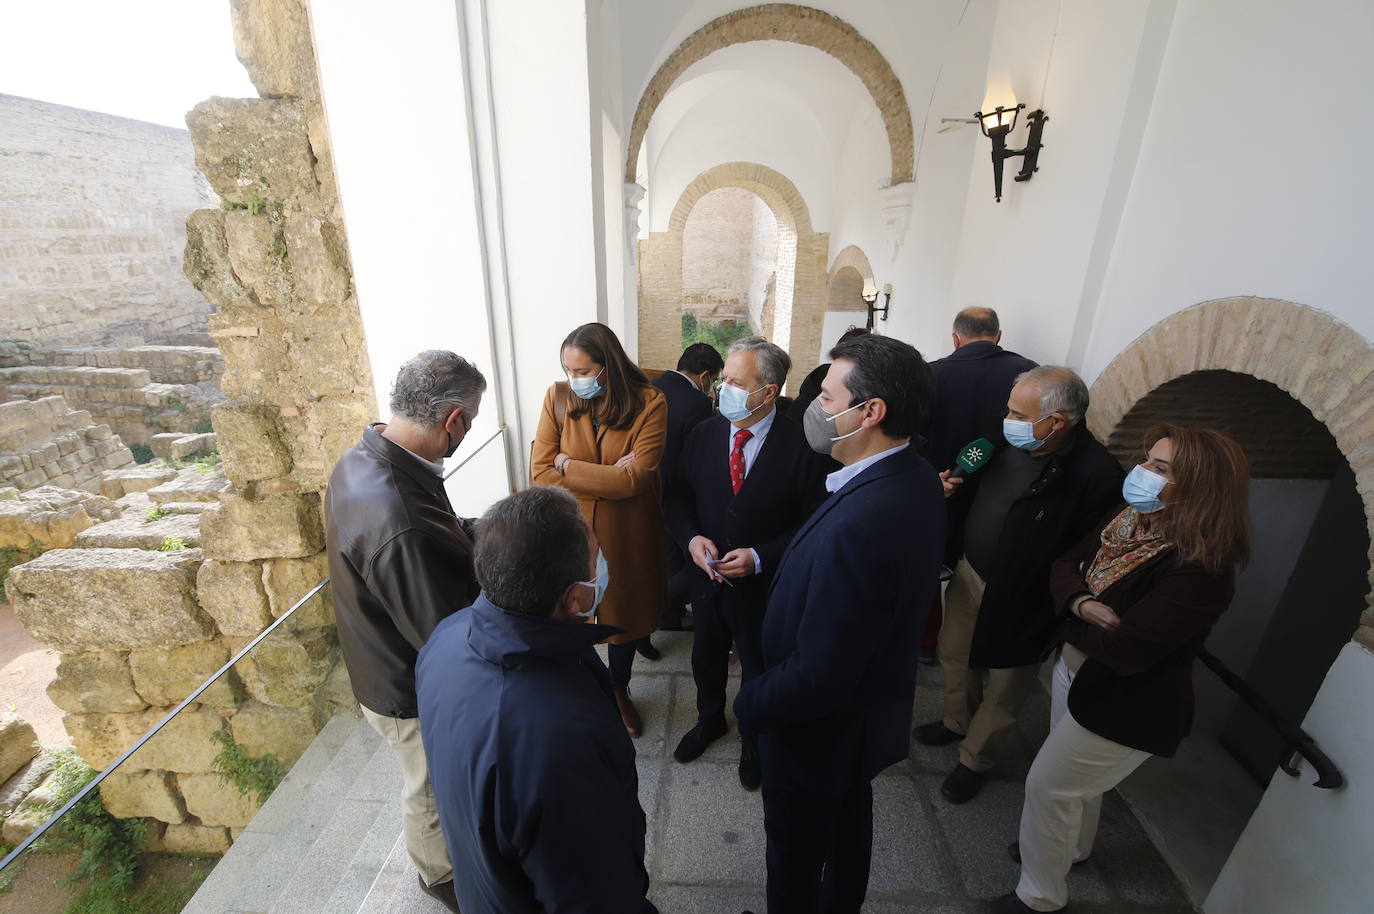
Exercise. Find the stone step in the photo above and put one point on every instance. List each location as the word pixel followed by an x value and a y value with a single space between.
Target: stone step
pixel 396 890
pixel 294 836
pixel 140 533
pixel 75 376
pixel 118 483
pixel 191 484
pixel 241 865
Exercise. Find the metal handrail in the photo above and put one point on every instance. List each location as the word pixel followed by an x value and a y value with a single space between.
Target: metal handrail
pixel 95 781
pixel 1297 742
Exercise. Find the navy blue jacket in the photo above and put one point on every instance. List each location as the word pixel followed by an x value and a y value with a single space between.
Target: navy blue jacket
pixel 533 772
pixel 971 388
pixel 843 628
pixel 687 406
pixel 784 485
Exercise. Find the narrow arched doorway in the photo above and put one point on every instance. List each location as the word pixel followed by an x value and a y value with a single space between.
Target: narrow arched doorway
pixel 1300 600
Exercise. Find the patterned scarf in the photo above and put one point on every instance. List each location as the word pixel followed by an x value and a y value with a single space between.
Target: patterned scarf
pixel 1125 547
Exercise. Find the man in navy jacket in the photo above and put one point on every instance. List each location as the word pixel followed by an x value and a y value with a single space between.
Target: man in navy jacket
pixel 747 482
pixel 533 772
pixel 840 634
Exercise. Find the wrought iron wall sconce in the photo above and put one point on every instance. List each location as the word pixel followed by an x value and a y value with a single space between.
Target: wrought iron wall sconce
pixel 996 125
pixel 870 296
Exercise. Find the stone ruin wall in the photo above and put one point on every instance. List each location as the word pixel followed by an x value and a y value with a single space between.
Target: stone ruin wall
pixel 91 228
pixel 139 628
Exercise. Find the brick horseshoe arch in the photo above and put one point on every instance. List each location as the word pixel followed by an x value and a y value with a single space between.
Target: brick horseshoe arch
pixel 794 321
pixel 800 25
pixel 1318 361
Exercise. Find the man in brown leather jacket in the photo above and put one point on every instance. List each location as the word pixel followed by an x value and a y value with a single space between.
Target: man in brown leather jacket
pixel 399 563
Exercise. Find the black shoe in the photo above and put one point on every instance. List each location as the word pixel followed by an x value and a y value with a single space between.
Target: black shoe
pixel 750 775
pixel 1010 904
pixel 962 785
pixel 442 891
pixel 695 740
pixel 928 658
pixel 1014 852
pixel 645 648
pixel 936 733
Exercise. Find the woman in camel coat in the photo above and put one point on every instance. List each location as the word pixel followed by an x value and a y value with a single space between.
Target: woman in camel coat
pixel 601 437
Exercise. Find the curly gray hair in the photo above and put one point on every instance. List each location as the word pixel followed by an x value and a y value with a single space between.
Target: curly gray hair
pixel 772 361
pixel 432 384
pixel 1061 391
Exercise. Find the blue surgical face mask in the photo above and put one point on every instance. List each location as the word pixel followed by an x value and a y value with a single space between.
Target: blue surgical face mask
pixel 1141 490
pixel 603 581
pixel 1020 433
pixel 586 388
pixel 734 402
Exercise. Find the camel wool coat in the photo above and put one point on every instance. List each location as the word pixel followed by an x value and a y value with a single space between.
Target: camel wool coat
pixel 622 505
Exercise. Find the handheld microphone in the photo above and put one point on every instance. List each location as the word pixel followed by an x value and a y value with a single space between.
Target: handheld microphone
pixel 973 458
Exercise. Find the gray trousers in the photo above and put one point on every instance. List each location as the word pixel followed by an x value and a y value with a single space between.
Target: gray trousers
pixel 420 815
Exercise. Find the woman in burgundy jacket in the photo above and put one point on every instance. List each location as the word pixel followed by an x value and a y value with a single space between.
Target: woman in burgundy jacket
pixel 1138 596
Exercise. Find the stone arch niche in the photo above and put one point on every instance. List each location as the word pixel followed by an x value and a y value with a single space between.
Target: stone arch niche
pixel 800 25
pixel 1295 388
pixel 793 322
pixel 846 281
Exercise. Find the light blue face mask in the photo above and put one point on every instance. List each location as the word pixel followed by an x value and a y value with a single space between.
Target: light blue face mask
pixel 603 581
pixel 1020 433
pixel 586 388
pixel 1141 490
pixel 734 402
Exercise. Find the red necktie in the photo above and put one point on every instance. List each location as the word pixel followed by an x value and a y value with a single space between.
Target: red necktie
pixel 737 459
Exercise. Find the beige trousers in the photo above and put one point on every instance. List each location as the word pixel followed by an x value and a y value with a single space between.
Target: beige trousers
pixel 984 714
pixel 1064 800
pixel 419 814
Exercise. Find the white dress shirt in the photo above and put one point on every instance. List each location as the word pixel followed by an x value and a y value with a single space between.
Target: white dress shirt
pixel 759 431
pixel 836 480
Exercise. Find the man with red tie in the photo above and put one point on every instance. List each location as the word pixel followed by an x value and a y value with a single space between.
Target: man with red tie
pixel 746 481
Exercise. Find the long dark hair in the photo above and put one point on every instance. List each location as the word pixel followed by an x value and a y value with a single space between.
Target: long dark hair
pixel 1207 519
pixel 620 404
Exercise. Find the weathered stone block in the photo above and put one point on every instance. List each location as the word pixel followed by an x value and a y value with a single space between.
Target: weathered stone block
pixel 111 599
pixel 233 594
pixel 251 443
pixel 18 744
pixel 288 668
pixel 253 147
pixel 94 681
pixel 183 745
pixel 270 526
pixel 129 795
pixel 207 263
pixel 32 811
pixel 272 39
pixel 287 580
pixel 23 783
pixel 192 484
pixel 318 259
pixel 118 483
pixel 165 676
pixel 140 533
pixel 215 803
pixel 266 730
pixel 258 255
pixel 161 445
pixel 195 839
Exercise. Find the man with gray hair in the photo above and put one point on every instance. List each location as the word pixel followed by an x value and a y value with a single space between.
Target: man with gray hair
pixel 399 562
pixel 746 481
pixel 1034 500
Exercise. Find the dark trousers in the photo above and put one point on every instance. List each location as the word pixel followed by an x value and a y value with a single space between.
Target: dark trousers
pixel 620 658
pixel 714 627
pixel 819 847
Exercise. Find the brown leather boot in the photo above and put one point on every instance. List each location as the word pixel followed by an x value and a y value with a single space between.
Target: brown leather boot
pixel 629 715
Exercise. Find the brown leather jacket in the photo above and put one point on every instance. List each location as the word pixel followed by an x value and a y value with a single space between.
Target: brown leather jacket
pixel 399 562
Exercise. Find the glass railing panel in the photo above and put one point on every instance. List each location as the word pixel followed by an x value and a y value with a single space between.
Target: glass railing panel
pixel 170 804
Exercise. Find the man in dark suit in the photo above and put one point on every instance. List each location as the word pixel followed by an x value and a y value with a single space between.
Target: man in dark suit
pixel 747 481
pixel 833 705
pixel 688 392
pixel 971 388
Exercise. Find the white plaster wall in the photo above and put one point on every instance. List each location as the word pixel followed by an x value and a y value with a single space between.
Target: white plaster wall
pixel 404 167
pixel 541 98
pixel 1307 849
pixel 1251 177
